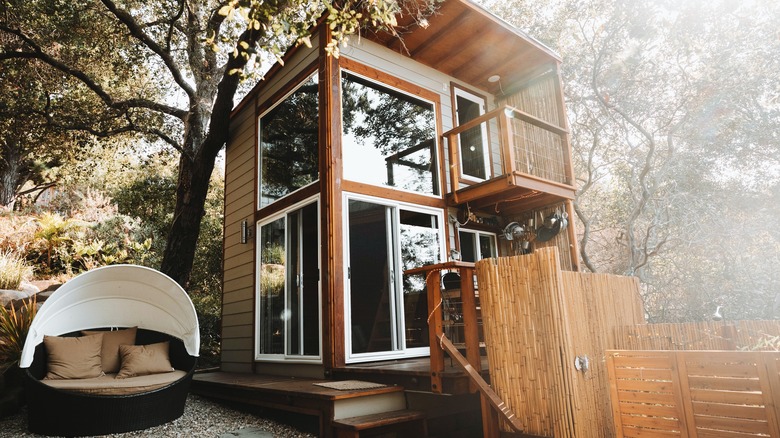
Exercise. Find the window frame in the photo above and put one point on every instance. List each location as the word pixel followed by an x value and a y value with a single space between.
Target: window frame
pixel 384 80
pixel 285 357
pixel 403 352
pixel 278 100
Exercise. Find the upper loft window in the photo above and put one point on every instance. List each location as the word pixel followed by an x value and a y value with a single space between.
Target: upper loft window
pixel 389 137
pixel 289 149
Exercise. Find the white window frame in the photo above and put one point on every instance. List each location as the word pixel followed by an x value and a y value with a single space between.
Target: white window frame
pixel 482 102
pixel 402 352
pixel 477 234
pixel 287 358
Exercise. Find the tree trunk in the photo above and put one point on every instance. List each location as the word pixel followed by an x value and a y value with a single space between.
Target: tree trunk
pixel 194 178
pixel 10 173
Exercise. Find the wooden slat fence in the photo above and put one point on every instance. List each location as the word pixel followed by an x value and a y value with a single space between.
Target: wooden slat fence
pixel 703 394
pixel 731 335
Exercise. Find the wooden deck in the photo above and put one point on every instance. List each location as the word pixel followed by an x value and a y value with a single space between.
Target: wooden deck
pixel 298 395
pixel 302 396
pixel 412 374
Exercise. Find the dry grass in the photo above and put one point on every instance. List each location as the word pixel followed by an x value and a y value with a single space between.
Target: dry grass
pixel 13 270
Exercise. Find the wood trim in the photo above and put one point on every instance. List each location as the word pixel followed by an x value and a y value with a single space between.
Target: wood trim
pixel 287 201
pixel 265 104
pixel 392 194
pixel 331 271
pixel 387 79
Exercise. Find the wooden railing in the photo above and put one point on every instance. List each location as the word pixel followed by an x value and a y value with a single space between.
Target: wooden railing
pixel 557 163
pixel 493 408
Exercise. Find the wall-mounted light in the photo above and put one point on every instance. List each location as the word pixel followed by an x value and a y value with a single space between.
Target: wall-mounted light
pixel 246 232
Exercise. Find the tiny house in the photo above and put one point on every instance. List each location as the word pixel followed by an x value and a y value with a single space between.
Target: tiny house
pixel 342 174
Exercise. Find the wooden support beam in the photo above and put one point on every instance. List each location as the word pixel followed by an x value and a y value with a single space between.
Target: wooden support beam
pixel 470 323
pixel 435 328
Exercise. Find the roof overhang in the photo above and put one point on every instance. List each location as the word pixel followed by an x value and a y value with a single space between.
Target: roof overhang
pixel 465 41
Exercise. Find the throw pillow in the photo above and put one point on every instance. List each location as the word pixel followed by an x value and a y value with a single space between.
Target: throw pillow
pixel 73 358
pixel 140 360
pixel 111 342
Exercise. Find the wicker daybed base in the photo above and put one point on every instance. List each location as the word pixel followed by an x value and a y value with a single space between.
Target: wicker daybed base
pixel 54 411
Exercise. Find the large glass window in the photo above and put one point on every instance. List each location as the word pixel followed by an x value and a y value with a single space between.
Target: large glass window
pixel 288 306
pixel 289 148
pixel 389 137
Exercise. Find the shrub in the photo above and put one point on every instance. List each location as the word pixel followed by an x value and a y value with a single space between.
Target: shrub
pixel 13 270
pixel 14 325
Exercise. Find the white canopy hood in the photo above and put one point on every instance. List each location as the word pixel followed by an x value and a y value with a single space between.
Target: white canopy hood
pixel 116 296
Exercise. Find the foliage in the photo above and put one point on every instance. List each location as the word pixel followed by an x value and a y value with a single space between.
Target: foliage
pixel 674 112
pixel 272 278
pixel 13 270
pixel 129 60
pixel 14 325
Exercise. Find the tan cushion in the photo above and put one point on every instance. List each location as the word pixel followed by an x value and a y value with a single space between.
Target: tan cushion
pixel 139 360
pixel 73 358
pixel 108 385
pixel 111 341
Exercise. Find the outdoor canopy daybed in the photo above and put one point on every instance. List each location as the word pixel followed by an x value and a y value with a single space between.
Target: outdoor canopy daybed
pixel 112 297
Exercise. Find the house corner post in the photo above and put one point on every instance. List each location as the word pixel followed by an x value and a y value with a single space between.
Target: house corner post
pixel 332 279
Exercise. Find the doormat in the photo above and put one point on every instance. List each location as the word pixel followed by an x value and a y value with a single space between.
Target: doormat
pixel 350 385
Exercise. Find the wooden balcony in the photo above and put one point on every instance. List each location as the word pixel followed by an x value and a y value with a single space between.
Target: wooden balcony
pixel 530 164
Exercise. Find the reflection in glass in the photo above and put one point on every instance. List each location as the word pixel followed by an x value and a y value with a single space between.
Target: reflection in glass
pixel 472 143
pixel 389 137
pixel 289 143
pixel 419 234
pixel 272 280
pixel 371 259
pixel 288 301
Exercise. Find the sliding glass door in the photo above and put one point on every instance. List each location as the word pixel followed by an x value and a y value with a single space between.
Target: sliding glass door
pixel 288 296
pixel 386 311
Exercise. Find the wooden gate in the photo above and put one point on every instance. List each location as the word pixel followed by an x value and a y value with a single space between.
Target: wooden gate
pixel 695 393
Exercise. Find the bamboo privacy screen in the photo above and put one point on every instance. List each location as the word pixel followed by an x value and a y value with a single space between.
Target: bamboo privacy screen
pixel 695 393
pixel 536 320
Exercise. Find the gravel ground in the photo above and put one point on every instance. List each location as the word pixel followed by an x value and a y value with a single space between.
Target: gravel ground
pixel 202 418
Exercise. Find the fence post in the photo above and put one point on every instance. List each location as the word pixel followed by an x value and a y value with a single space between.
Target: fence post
pixel 768 372
pixel 729 334
pixel 614 396
pixel 682 388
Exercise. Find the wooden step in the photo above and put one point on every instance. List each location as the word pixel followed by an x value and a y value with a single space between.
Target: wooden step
pixel 351 427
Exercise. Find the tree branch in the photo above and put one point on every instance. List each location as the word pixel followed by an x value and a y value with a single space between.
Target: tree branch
pixel 137 31
pixel 39 54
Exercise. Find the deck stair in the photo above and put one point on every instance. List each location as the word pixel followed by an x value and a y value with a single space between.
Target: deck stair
pixel 410 420
pixel 346 411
